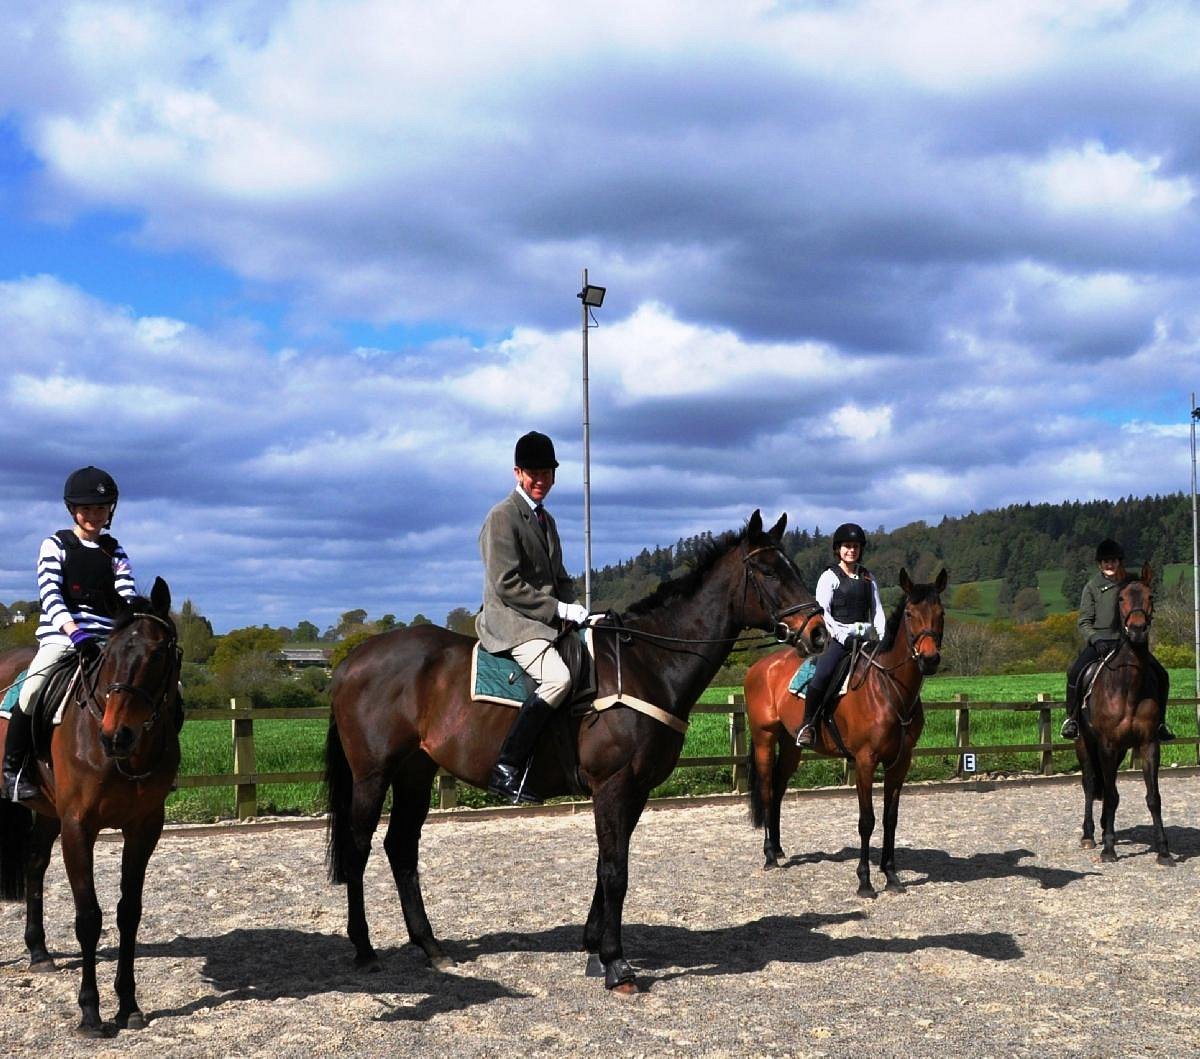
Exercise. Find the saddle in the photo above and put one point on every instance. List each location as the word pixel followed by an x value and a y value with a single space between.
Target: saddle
pixel 497 677
pixel 1091 672
pixel 791 711
pixel 51 702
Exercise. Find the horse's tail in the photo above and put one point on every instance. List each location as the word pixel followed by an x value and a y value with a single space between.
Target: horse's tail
pixel 758 811
pixel 339 788
pixel 15 824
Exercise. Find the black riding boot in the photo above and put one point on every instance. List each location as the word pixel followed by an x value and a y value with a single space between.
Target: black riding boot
pixel 807 736
pixel 507 779
pixel 17 784
pixel 1070 725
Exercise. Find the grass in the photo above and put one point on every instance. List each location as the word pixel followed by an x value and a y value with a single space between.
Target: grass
pixel 298 746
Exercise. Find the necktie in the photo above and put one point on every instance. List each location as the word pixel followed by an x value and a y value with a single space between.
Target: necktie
pixel 541 516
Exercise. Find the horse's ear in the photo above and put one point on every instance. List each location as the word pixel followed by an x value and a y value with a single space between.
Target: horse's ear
pixel 160 596
pixel 754 527
pixel 776 531
pixel 1147 574
pixel 942 580
pixel 905 583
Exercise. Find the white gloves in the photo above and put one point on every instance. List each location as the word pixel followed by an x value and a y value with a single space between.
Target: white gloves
pixel 575 613
pixel 865 630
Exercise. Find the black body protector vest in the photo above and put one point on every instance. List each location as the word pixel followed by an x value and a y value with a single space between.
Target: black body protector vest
pixel 87 573
pixel 852 599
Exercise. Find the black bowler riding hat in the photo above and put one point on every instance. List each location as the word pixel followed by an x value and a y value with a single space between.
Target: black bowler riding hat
pixel 1109 549
pixel 90 485
pixel 534 452
pixel 849 533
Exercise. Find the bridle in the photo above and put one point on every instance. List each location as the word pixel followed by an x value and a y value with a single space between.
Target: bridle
pixel 1127 614
pixel 754 577
pixel 96 705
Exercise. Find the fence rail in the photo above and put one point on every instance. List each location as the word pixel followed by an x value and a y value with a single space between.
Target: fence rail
pixel 246 778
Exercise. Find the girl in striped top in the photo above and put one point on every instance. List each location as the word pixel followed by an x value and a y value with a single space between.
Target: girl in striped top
pixel 82 572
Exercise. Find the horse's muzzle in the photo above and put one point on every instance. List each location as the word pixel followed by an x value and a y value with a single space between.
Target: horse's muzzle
pixel 928 664
pixel 120 744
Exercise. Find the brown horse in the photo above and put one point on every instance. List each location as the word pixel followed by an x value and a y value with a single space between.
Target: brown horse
pixel 402 707
pixel 111 763
pixel 878 720
pixel 1123 713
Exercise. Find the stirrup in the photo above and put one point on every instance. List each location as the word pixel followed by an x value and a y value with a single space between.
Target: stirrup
pixel 810 730
pixel 1070 728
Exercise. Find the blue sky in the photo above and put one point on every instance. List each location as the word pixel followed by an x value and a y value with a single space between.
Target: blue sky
pixel 299 273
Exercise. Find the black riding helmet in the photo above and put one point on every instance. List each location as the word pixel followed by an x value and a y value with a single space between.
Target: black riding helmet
pixel 534 452
pixel 1109 549
pixel 90 485
pixel 849 533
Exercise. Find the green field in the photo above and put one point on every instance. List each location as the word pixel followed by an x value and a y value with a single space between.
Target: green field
pixel 297 746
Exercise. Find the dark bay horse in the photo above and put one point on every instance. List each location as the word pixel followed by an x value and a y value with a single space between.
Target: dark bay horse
pixel 402 707
pixel 111 763
pixel 1122 714
pixel 879 720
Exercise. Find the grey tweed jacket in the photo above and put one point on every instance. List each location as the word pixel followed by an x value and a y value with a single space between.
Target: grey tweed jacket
pixel 524 578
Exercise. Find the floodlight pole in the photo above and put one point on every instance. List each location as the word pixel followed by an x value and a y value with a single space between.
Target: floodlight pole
pixel 587 459
pixel 1195 414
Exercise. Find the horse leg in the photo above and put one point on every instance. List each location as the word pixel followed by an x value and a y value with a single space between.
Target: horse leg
pixel 617 804
pixel 45 831
pixel 864 771
pixel 893 782
pixel 365 807
pixel 78 855
pixel 594 926
pixel 785 766
pixel 1091 791
pixel 410 807
pixel 1108 810
pixel 141 839
pixel 1150 763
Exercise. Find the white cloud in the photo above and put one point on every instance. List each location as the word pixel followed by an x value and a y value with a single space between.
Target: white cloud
pixel 1090 179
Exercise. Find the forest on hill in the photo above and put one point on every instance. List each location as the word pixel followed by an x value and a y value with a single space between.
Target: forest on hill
pixel 1010 544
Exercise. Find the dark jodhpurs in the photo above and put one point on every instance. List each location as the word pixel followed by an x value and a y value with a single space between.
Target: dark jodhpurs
pixel 818 687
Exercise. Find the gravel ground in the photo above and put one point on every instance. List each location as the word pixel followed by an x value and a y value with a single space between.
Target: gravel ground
pixel 1011 940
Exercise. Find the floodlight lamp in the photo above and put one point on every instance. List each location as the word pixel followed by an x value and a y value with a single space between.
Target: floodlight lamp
pixel 593 297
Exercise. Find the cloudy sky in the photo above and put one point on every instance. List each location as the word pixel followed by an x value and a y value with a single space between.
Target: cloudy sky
pixel 298 273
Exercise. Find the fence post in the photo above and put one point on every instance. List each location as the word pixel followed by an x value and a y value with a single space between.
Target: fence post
pixel 962 729
pixel 243 764
pixel 447 790
pixel 1044 734
pixel 737 742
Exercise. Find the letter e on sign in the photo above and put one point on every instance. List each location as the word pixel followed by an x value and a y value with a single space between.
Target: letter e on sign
pixel 968 762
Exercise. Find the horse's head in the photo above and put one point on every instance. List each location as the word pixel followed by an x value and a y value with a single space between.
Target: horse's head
pixel 138 671
pixel 1136 604
pixel 776 597
pixel 924 619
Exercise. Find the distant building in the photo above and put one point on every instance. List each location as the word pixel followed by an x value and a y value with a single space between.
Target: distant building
pixel 302 657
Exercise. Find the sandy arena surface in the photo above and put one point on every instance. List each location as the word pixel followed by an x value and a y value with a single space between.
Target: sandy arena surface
pixel 1011 940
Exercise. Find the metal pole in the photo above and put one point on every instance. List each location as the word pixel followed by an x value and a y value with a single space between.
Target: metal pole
pixel 1194 414
pixel 587 463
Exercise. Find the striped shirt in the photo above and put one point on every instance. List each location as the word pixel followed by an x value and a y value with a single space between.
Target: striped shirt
pixel 55 613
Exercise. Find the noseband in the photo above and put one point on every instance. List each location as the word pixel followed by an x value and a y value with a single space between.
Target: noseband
pixel 781 631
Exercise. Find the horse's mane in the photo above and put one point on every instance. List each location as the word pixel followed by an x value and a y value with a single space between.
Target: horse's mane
pixel 684 586
pixel 919 594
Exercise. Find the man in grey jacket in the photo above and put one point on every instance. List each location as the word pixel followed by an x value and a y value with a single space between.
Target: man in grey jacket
pixel 527 594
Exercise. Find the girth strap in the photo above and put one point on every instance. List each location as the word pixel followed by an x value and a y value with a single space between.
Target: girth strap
pixel 641 706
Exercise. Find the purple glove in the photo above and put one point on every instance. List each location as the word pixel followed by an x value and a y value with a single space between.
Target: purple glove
pixel 86 645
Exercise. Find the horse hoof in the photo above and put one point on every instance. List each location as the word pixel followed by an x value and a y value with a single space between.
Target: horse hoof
pixel 91 1032
pixel 768 865
pixel 1166 860
pixel 442 962
pixel 619 974
pixel 625 989
pixel 1108 856
pixel 594 968
pixel 1087 843
pixel 46 966
pixel 135 1020
pixel 867 890
pixel 369 964
pixel 896 888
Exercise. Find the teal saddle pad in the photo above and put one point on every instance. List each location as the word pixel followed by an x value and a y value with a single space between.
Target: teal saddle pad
pixel 13 693
pixel 497 678
pixel 803 675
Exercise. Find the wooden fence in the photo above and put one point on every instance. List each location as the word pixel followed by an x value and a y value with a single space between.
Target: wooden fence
pixel 246 778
